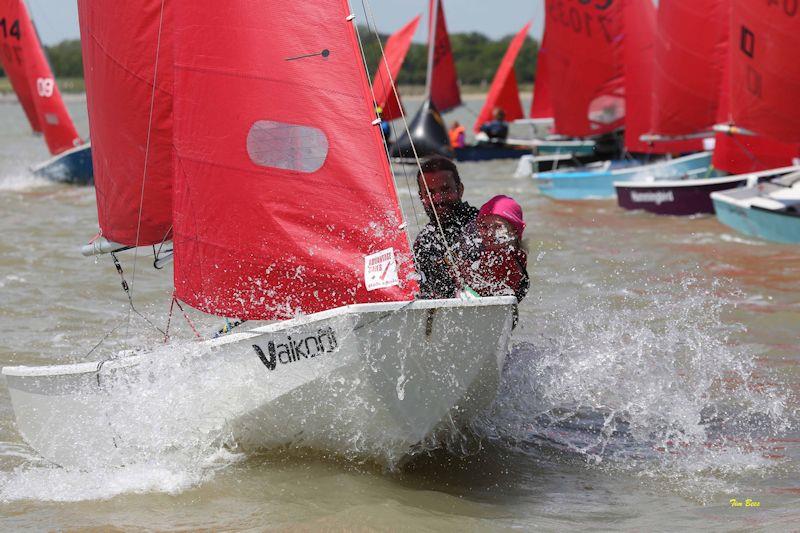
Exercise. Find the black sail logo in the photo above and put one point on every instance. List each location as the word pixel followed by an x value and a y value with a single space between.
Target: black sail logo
pixel 293 350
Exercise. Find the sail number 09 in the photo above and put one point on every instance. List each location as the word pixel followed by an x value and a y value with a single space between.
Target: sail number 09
pixel 13 31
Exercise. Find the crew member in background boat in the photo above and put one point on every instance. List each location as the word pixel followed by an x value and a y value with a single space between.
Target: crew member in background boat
pixel 494 132
pixel 457 138
pixel 386 128
pixel 492 260
pixel 439 274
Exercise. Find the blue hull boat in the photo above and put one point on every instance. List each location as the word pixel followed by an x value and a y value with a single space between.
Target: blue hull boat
pixel 768 211
pixel 597 181
pixel 73 166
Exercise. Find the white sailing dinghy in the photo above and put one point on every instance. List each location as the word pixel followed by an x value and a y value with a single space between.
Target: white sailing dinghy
pixel 281 207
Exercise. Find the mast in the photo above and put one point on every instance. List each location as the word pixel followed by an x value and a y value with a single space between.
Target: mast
pixel 433 20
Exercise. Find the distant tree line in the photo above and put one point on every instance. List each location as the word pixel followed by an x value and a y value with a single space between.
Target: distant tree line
pixel 477 58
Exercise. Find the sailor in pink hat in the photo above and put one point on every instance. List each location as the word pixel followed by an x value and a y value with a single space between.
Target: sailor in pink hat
pixel 497 264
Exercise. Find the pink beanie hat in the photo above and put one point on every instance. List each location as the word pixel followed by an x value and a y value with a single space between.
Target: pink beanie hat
pixel 505 207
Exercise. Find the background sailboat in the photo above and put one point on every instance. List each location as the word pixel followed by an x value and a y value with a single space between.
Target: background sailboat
pixel 687 108
pixel 283 208
pixel 384 83
pixel 765 81
pixel 30 75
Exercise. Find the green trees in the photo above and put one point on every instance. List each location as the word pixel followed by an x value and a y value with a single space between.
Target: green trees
pixel 477 58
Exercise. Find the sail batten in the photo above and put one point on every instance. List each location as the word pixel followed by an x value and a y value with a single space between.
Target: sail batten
pixel 284 199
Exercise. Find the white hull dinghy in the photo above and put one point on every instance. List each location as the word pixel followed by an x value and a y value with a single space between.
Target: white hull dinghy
pixel 371 380
pixel 307 234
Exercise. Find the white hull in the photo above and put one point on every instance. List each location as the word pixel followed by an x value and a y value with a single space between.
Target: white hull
pixel 369 380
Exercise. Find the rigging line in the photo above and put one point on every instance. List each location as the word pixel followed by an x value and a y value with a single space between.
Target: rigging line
pixel 146 158
pixel 374 30
pixel 448 250
pixel 383 137
pixel 126 288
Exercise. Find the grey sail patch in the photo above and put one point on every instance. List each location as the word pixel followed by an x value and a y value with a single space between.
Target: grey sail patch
pixel 287 146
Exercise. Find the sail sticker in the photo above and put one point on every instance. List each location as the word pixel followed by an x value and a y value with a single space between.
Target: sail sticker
pixel 380 270
pixel 287 146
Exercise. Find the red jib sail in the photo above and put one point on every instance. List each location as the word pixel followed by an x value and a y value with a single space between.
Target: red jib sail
pixel 389 67
pixel 542 104
pixel 583 62
pixel 23 51
pixel 690 49
pixel 765 68
pixel 504 92
pixel 442 78
pixel 739 154
pixel 129 120
pixel 638 46
pixel 284 199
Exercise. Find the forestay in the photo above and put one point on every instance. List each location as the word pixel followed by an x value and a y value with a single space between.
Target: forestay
pixel 284 199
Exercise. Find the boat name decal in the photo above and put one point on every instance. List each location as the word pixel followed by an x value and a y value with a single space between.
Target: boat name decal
pixel 655 197
pixel 292 350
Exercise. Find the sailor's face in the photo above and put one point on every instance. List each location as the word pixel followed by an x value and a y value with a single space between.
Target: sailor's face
pixel 445 193
pixel 496 232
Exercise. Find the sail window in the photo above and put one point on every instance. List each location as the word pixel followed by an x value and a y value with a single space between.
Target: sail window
pixel 287 146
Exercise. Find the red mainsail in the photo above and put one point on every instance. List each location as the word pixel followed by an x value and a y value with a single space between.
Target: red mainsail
pixel 23 52
pixel 120 43
pixel 765 67
pixel 586 73
pixel 442 77
pixel 739 154
pixel 542 104
pixel 690 50
pixel 638 46
pixel 284 199
pixel 389 67
pixel 504 92
pixel 13 59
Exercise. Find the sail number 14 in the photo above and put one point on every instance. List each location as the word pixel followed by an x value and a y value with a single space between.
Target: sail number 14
pixel 12 31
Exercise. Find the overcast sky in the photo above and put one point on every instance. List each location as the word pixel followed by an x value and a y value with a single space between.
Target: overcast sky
pixel 57 20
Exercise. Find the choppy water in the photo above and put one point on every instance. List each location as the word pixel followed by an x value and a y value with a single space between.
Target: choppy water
pixel 655 376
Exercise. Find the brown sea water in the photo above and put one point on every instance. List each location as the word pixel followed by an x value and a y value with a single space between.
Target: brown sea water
pixel 654 377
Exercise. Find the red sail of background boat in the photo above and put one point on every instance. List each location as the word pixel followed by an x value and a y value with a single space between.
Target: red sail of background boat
pixel 299 206
pixel 442 78
pixel 542 103
pixel 32 79
pixel 120 43
pixel 639 19
pixel 740 154
pixel 385 82
pixel 765 68
pixel 690 51
pixel 586 75
pixel 504 91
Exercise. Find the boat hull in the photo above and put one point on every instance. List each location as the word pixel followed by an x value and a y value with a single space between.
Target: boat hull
pixel 775 226
pixel 489 153
pixel 680 198
pixel 588 183
pixel 73 166
pixel 378 381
